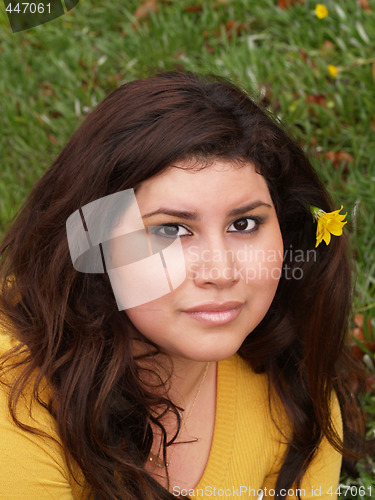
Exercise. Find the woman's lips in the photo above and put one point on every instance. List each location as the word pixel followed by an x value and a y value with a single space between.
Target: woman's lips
pixel 214 316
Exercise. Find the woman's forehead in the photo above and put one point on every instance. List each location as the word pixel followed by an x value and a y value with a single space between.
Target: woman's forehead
pixel 219 183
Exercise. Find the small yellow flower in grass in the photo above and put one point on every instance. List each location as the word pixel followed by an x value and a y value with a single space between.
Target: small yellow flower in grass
pixel 332 70
pixel 321 11
pixel 328 223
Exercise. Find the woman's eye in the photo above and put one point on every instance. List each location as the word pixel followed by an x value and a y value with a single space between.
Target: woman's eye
pixel 169 231
pixel 246 224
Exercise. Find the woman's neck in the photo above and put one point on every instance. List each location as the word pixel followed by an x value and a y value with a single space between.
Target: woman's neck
pixel 181 376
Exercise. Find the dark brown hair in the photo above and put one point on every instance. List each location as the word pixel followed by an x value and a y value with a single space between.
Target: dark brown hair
pixel 76 338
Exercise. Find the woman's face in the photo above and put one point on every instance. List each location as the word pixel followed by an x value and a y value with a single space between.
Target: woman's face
pixel 233 253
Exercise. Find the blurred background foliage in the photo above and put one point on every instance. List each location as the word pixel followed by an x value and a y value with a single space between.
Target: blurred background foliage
pixel 312 65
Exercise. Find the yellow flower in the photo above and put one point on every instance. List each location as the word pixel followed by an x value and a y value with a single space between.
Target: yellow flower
pixel 328 223
pixel 321 11
pixel 332 70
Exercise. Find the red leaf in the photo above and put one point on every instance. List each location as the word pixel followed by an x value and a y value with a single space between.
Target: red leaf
pixel 145 9
pixel 338 157
pixel 82 63
pixel 47 90
pixel 358 320
pixel 305 58
pixel 364 4
pixel 115 78
pixel 179 55
pixel 55 114
pixel 358 334
pixel 319 99
pixel 267 95
pixel 285 4
pixel 52 139
pixel 327 47
pixel 209 48
pixel 193 8
pixel 233 27
pixel 303 54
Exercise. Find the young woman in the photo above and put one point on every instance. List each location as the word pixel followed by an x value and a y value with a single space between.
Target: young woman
pixel 169 327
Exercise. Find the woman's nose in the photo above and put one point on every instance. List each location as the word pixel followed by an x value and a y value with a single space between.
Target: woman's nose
pixel 212 263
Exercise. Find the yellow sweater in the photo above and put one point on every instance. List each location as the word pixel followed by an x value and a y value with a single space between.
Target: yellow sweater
pixel 246 453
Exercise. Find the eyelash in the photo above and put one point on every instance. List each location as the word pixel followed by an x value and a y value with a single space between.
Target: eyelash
pixel 258 221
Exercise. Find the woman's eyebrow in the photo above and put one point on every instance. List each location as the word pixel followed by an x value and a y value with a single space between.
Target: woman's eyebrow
pixel 248 208
pixel 182 214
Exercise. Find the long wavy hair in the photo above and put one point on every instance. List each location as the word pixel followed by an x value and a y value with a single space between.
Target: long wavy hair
pixel 71 333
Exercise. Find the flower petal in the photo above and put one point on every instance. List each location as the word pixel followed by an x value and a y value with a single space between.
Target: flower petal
pixel 327 237
pixel 335 227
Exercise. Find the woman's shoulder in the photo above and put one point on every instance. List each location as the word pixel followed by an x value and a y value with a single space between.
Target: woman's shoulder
pixel 263 429
pixel 32 465
pixel 12 365
pixel 256 392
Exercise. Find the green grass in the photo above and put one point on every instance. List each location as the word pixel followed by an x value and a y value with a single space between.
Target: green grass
pixel 52 75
